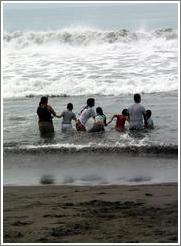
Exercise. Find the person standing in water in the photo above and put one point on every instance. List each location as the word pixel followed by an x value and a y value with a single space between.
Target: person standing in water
pixel 137 114
pixel 45 114
pixel 100 121
pixel 86 113
pixel 120 120
pixel 150 124
pixel 68 116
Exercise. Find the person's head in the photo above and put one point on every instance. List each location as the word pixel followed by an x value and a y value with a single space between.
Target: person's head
pixel 99 111
pixel 125 112
pixel 148 113
pixel 90 102
pixel 70 106
pixel 43 101
pixel 137 98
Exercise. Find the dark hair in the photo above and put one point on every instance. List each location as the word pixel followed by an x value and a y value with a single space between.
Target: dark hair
pixel 125 112
pixel 90 102
pixel 43 101
pixel 70 106
pixel 148 113
pixel 99 111
pixel 137 98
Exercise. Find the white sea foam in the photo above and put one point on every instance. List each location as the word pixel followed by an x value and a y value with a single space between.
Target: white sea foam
pixel 125 141
pixel 89 61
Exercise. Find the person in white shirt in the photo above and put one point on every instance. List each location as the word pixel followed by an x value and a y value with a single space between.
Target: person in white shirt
pixel 85 114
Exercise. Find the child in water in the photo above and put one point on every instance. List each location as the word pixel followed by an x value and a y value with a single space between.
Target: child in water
pixel 68 116
pixel 100 121
pixel 120 120
pixel 150 124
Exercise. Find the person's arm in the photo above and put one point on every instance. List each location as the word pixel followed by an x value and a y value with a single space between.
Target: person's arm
pixel 105 121
pixel 128 117
pixel 93 114
pixel 51 110
pixel 59 116
pixel 74 118
pixel 145 119
pixel 114 116
pixel 152 124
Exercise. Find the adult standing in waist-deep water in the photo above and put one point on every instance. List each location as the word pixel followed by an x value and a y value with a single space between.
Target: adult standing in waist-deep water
pixel 86 113
pixel 137 114
pixel 45 113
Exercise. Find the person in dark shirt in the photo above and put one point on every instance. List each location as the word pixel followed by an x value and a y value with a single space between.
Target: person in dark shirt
pixel 45 114
pixel 120 120
pixel 150 124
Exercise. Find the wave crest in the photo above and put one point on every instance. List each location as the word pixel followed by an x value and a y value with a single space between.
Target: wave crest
pixel 78 36
pixel 159 149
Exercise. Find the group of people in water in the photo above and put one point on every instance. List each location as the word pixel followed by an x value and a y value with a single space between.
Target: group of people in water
pixel 136 115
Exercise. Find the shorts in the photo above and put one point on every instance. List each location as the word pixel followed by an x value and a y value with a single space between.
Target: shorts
pixel 46 128
pixel 80 127
pixel 66 127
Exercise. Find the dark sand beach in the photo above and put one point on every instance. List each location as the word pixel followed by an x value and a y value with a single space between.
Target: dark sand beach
pixel 98 214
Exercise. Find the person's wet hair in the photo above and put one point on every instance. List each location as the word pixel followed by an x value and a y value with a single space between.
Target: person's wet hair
pixel 99 111
pixel 137 98
pixel 148 113
pixel 125 112
pixel 43 101
pixel 90 102
pixel 70 106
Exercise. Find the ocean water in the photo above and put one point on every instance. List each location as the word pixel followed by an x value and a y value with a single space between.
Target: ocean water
pixel 73 51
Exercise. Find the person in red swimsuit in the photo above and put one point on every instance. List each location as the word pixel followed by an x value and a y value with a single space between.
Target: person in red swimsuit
pixel 120 120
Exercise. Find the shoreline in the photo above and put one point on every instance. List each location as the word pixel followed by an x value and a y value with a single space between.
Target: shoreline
pixel 91 214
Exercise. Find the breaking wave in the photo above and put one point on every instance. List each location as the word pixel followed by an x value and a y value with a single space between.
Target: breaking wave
pixel 86 36
pixel 158 149
pixel 77 62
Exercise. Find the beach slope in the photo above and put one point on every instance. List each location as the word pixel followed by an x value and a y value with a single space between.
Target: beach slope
pixel 99 214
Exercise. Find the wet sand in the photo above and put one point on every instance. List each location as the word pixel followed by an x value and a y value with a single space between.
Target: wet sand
pixel 99 214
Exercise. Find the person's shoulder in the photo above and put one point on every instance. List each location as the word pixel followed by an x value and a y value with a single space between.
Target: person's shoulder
pixel 49 106
pixel 91 111
pixel 131 106
pixel 141 106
